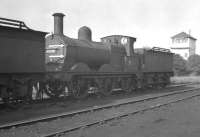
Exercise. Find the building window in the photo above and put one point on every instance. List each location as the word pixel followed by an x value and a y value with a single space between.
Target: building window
pixel 185 40
pixel 177 40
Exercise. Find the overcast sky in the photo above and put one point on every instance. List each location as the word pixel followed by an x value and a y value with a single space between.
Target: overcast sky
pixel 152 22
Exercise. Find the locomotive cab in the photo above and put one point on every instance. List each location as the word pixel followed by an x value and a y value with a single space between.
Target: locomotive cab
pixel 127 59
pixel 124 41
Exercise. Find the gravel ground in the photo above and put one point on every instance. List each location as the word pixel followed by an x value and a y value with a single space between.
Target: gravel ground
pixel 185 79
pixel 46 127
pixel 34 110
pixel 176 120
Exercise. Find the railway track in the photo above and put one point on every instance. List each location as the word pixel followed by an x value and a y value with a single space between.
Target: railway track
pixel 52 117
pixel 63 132
pixel 63 98
pixel 98 109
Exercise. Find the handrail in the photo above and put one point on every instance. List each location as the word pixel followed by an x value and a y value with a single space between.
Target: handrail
pixel 13 23
pixel 160 49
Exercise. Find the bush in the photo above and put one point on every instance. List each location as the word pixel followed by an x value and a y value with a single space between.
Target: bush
pixel 193 64
pixel 179 65
pixel 184 67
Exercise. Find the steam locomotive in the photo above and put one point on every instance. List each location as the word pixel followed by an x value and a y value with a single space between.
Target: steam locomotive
pixel 59 65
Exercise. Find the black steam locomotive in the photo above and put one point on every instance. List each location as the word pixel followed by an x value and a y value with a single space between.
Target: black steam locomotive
pixel 58 65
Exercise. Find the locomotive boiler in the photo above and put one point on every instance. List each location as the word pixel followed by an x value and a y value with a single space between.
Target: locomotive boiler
pixel 67 54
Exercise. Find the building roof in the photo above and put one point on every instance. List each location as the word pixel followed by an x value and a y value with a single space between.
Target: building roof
pixel 183 35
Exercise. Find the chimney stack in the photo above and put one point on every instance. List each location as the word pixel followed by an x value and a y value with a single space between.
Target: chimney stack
pixel 58 23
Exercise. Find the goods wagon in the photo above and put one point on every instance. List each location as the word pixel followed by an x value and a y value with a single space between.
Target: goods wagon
pixel 21 50
pixel 21 56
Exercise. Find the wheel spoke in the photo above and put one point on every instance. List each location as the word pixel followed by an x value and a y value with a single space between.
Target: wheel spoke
pixel 79 89
pixel 107 87
pixel 54 88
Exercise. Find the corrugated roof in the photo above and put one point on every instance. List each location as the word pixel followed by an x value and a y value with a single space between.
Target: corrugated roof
pixel 183 35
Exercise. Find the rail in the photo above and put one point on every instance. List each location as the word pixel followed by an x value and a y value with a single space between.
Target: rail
pixel 90 109
pixel 103 121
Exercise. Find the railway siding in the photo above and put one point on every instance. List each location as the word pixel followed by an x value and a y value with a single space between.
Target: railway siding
pixel 180 119
pixel 92 116
pixel 89 109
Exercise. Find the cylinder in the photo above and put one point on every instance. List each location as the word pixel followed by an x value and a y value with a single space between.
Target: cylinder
pixel 58 23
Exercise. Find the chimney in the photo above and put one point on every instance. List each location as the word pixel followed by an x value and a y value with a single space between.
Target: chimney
pixel 58 23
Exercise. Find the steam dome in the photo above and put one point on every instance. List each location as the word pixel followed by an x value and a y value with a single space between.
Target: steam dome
pixel 85 33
